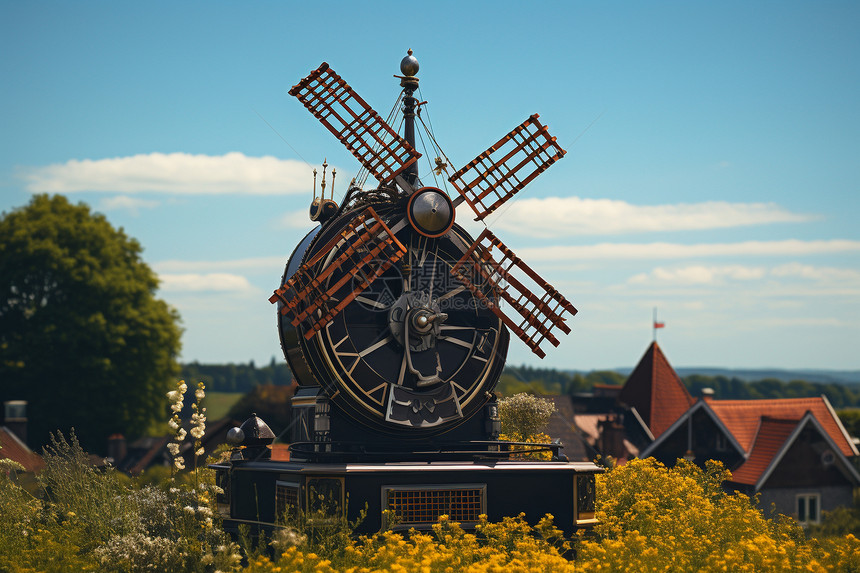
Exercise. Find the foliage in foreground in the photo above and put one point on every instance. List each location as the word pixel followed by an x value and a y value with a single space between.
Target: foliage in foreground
pixel 652 518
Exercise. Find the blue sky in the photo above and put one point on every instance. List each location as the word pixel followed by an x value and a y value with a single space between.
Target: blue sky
pixel 712 170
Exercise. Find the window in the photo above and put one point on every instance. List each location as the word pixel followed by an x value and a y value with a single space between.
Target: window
pixel 808 508
pixel 286 500
pixel 585 498
pixel 722 442
pixel 325 499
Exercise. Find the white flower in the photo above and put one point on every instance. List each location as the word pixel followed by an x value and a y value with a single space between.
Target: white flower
pixel 189 509
pixel 182 387
pixel 179 464
pixel 180 435
pixel 199 394
pixel 172 424
pixel 173 448
pixel 173 396
pixel 199 452
pixel 197 432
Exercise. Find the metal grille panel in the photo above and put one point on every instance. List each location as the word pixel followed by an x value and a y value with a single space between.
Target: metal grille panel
pixel 425 505
pixel 501 171
pixel 354 123
pixel 286 499
pixel 366 249
pixel 494 282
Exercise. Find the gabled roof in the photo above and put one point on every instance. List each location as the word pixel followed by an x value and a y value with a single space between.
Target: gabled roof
pixel 773 439
pixel 12 448
pixel 656 391
pixel 704 406
pixel 770 439
pixel 742 418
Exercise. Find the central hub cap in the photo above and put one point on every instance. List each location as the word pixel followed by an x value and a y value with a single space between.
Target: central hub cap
pixel 430 212
pixel 423 318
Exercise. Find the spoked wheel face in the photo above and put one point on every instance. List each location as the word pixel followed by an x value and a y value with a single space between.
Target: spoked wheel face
pixel 415 348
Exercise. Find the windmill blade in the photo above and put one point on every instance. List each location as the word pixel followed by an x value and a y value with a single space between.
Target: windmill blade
pixel 365 249
pixel 493 282
pixel 372 141
pixel 495 175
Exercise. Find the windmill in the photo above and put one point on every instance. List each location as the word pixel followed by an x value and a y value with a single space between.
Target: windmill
pixel 396 324
pixel 438 340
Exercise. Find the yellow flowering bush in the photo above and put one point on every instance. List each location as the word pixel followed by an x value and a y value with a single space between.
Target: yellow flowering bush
pixel 520 452
pixel 653 518
pixel 509 546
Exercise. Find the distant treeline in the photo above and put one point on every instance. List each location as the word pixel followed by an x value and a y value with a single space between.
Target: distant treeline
pixel 237 377
pixel 244 377
pixel 549 381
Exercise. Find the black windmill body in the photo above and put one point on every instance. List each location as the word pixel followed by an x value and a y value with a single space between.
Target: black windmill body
pixel 395 321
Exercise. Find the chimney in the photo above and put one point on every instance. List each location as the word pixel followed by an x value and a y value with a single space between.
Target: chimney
pixel 612 437
pixel 116 449
pixel 707 394
pixel 15 418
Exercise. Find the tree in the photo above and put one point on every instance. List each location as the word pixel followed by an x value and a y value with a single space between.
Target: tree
pixel 82 336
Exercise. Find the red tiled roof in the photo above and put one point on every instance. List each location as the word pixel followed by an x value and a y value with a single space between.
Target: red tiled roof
pixel 656 391
pixel 768 442
pixel 17 451
pixel 741 417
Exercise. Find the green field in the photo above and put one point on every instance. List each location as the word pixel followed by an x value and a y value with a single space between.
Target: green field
pixel 219 403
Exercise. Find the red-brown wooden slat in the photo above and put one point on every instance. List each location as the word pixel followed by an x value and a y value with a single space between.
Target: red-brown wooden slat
pixel 366 247
pixel 355 124
pixel 487 174
pixel 493 281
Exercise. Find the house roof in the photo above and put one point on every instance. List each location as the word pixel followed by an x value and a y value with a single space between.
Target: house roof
pixel 656 391
pixel 770 439
pixel 560 427
pixel 774 438
pixel 743 417
pixel 12 448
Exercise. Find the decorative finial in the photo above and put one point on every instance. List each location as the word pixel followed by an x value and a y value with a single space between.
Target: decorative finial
pixel 409 65
pixel 333 173
pixel 315 183
pixel 322 186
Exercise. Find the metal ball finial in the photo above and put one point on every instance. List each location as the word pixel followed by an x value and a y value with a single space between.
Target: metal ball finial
pixel 409 65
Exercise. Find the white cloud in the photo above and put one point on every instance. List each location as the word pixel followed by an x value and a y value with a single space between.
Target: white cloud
pixel 570 216
pixel 781 279
pixel 174 173
pixel 123 202
pixel 211 282
pixel 829 274
pixel 645 251
pixel 248 264
pixel 296 220
pixel 699 275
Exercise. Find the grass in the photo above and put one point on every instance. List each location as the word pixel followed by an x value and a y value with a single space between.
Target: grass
pixel 219 403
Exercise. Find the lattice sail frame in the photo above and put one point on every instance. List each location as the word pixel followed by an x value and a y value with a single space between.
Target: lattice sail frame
pixel 494 282
pixel 490 179
pixel 355 124
pixel 366 247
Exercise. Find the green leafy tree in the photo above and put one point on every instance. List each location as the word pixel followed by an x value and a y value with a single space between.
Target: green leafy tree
pixel 82 336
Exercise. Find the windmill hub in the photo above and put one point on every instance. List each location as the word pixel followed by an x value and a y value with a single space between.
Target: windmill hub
pixel 430 212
